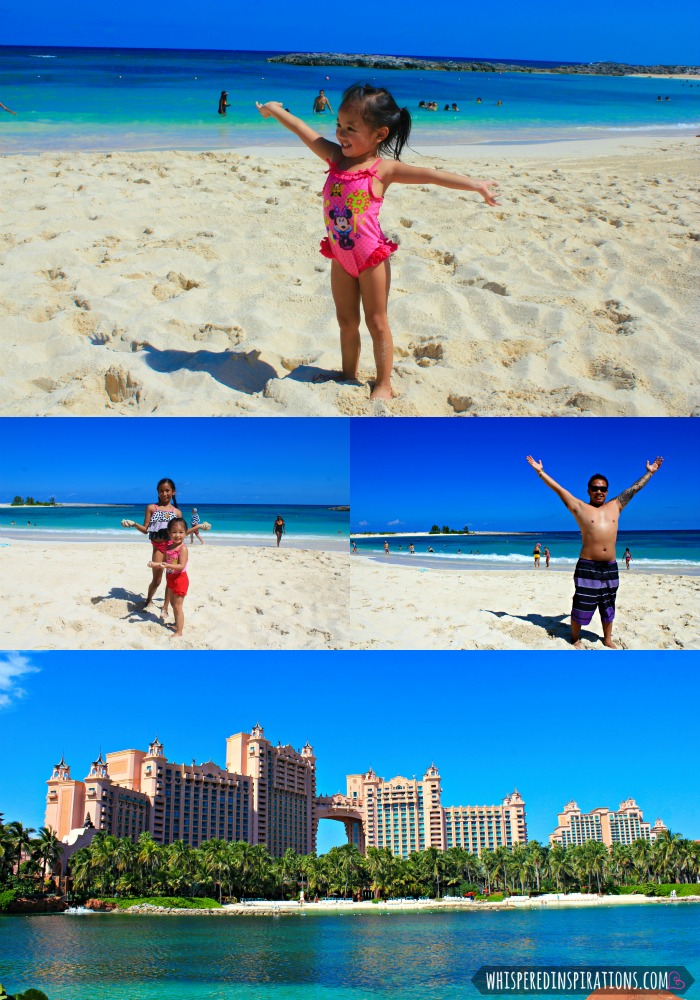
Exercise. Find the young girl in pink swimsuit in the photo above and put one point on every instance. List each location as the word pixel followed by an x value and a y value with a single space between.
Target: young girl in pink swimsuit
pixel 369 123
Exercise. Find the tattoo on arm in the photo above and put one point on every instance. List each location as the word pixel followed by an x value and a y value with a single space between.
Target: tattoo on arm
pixel 624 498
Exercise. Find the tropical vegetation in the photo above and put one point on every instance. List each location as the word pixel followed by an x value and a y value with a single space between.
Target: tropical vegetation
pixel 112 867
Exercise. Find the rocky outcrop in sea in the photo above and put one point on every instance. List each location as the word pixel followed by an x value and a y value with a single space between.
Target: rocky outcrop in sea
pixel 471 66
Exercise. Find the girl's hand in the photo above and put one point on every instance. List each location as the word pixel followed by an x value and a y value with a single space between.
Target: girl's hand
pixel 488 191
pixel 265 109
pixel 204 526
pixel 128 524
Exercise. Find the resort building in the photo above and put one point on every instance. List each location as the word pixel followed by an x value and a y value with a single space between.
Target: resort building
pixel 604 825
pixel 407 815
pixel 266 794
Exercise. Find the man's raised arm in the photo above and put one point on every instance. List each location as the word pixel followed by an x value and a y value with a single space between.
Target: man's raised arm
pixel 568 499
pixel 624 498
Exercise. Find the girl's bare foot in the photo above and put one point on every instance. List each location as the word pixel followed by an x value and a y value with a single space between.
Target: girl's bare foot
pixel 609 643
pixel 382 392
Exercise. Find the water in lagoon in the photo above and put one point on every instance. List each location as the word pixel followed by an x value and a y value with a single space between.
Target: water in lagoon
pixel 241 520
pixel 328 957
pixel 167 99
pixel 677 550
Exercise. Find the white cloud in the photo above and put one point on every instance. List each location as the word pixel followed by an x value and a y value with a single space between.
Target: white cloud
pixel 391 524
pixel 363 524
pixel 12 667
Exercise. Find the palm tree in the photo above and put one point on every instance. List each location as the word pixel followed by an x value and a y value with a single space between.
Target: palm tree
pixel 20 840
pixel 148 854
pixel 49 850
pixel 381 870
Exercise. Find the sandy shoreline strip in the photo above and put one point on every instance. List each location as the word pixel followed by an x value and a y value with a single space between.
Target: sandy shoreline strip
pixel 395 607
pixel 467 564
pixel 270 908
pixel 67 596
pixel 171 282
pixel 34 536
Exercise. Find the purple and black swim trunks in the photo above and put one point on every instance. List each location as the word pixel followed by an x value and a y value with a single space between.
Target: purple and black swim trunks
pixel 596 587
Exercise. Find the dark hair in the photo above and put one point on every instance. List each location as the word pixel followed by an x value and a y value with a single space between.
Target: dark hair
pixel 598 476
pixel 177 520
pixel 379 109
pixel 168 482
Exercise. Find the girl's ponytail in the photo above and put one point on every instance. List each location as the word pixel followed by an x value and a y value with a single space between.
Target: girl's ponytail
pixel 403 130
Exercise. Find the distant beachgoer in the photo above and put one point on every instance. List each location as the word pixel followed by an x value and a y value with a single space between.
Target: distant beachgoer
pixel 499 104
pixel 386 548
pixel 411 549
pixel 354 549
pixel 446 108
pixel 477 553
pixel 628 558
pixel 421 104
pixel 279 528
pixel 9 111
pixel 547 557
pixel 223 104
pixel 478 100
pixel 322 104
pixel 537 554
pixel 596 576
pixel 155 525
pixel 176 579
pixel 431 549
pixel 454 107
pixel 370 123
pixel 196 521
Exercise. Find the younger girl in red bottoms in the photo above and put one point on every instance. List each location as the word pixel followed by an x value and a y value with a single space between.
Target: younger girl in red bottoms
pixel 177 581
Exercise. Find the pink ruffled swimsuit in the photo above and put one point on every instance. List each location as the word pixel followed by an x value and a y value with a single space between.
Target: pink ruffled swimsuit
pixel 351 214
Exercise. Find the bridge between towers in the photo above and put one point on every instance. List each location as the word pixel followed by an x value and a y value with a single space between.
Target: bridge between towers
pixel 341 808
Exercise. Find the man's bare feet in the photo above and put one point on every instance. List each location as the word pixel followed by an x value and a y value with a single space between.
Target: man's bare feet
pixel 609 643
pixel 577 644
pixel 143 605
pixel 382 392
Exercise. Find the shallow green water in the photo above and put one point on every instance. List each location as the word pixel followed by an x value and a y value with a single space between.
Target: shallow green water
pixel 330 956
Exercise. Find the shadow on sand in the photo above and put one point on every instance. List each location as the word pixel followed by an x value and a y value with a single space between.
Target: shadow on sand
pixel 134 602
pixel 553 625
pixel 239 370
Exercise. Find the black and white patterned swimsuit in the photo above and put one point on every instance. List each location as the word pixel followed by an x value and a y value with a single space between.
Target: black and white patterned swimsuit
pixel 157 526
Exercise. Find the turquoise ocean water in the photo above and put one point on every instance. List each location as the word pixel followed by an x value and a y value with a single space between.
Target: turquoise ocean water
pixel 167 99
pixel 328 957
pixel 676 550
pixel 239 520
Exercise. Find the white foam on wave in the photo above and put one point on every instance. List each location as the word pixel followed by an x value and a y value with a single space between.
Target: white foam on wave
pixel 637 128
pixel 34 56
pixel 78 911
pixel 518 557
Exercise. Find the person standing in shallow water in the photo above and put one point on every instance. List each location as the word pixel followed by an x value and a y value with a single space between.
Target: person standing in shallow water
pixel 223 103
pixel 596 576
pixel 279 528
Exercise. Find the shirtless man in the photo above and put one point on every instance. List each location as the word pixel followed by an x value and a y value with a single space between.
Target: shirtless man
pixel 321 103
pixel 596 577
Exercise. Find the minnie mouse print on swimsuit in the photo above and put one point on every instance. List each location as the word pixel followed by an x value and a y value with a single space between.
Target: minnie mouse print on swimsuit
pixel 370 125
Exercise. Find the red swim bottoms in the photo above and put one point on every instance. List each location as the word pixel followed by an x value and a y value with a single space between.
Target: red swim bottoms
pixel 160 546
pixel 178 583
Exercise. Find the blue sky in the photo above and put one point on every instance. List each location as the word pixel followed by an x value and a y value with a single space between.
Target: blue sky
pixel 408 474
pixel 84 460
pixel 489 721
pixel 627 30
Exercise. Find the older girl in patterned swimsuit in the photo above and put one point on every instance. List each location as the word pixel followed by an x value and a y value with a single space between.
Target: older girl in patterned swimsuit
pixel 369 123
pixel 155 525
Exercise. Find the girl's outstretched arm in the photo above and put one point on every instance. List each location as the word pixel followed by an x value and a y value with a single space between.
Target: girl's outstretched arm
pixel 202 526
pixel 324 148
pixel 132 524
pixel 395 172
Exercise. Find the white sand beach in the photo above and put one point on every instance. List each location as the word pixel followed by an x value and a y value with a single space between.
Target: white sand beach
pixel 86 595
pixel 169 283
pixel 395 607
